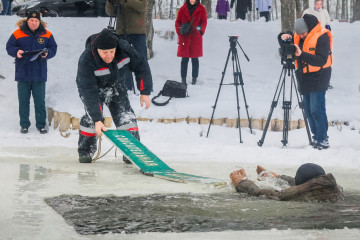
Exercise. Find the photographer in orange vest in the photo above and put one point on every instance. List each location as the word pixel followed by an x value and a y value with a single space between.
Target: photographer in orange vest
pixel 313 70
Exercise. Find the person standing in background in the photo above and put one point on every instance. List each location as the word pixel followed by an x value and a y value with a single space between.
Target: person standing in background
pixel 263 7
pixel 6 7
pixel 130 26
pixel 190 44
pixel 320 13
pixel 30 72
pixel 222 8
pixel 242 6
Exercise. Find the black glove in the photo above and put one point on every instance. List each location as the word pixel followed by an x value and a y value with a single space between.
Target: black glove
pixel 328 27
pixel 257 9
pixel 269 7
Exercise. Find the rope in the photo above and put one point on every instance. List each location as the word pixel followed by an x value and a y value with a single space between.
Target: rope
pixel 99 151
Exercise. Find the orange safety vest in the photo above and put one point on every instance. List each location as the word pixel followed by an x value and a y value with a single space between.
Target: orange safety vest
pixel 310 47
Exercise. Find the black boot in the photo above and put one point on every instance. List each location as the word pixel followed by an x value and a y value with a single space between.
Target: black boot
pixel 193 81
pixel 183 81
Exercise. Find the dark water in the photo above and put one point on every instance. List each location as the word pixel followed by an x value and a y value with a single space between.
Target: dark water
pixel 201 213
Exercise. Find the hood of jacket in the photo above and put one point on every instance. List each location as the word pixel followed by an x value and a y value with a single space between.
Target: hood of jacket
pixel 20 22
pixel 311 21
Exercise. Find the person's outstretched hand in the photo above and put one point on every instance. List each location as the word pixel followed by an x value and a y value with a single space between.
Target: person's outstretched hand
pixel 145 99
pixel 238 176
pixel 99 127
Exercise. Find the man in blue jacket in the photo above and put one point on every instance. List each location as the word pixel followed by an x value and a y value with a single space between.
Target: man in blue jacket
pixel 30 71
pixel 100 80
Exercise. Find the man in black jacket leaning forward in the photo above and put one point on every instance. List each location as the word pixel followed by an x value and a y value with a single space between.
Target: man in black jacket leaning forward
pixel 100 79
pixel 313 70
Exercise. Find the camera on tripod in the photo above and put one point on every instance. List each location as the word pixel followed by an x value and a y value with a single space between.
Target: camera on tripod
pixel 287 50
pixel 233 40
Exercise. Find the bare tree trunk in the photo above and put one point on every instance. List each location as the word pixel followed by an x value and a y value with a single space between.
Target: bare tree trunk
pixel 276 9
pixel 298 8
pixel 347 10
pixel 287 15
pixel 207 5
pixel 343 9
pixel 149 27
pixel 254 14
pixel 337 9
pixel 306 4
pixel 356 10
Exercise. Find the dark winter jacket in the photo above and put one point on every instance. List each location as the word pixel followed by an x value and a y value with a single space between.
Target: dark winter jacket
pixel 322 188
pixel 191 46
pixel 314 81
pixel 24 39
pixel 130 17
pixel 222 7
pixel 242 5
pixel 95 76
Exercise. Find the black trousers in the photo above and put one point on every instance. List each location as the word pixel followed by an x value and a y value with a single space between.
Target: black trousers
pixel 222 17
pixel 121 112
pixel 266 15
pixel 195 67
pixel 241 15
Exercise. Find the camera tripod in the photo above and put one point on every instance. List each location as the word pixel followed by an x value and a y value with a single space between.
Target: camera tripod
pixel 288 69
pixel 238 80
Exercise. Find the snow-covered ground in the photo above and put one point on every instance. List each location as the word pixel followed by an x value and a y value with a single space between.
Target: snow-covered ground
pixel 35 166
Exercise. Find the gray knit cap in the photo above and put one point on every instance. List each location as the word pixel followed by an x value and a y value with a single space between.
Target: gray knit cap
pixel 300 26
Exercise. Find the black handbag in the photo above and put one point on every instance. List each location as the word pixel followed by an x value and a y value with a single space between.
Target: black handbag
pixel 171 89
pixel 185 28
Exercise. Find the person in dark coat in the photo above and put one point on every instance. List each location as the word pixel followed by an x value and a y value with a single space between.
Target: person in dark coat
pixel 222 8
pixel 313 70
pixel 100 79
pixel 190 44
pixel 311 183
pixel 31 74
pixel 130 26
pixel 242 7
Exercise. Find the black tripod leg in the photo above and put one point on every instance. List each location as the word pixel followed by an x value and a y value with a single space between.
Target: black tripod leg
pixel 273 105
pixel 236 72
pixel 241 82
pixel 218 93
pixel 286 107
pixel 301 105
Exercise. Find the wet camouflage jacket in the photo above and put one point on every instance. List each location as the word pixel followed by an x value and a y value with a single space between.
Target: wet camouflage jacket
pixel 322 188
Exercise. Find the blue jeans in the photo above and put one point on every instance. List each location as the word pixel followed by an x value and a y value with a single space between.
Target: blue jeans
pixel 314 106
pixel 37 89
pixel 139 43
pixel 6 7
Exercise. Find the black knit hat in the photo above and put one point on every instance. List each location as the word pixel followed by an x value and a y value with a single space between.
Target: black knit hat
pixel 307 172
pixel 106 40
pixel 33 14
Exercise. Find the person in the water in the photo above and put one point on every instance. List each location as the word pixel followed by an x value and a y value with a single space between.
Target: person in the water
pixel 311 183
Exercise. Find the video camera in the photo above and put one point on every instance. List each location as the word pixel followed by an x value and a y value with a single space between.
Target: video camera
pixel 233 40
pixel 287 50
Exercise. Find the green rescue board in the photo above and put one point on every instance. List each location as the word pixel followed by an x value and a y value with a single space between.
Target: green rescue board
pixel 149 163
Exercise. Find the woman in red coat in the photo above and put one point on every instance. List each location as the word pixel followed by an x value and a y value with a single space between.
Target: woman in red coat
pixel 190 42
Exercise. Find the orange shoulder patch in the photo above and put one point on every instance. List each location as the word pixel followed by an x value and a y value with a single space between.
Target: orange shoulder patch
pixel 19 34
pixel 47 34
